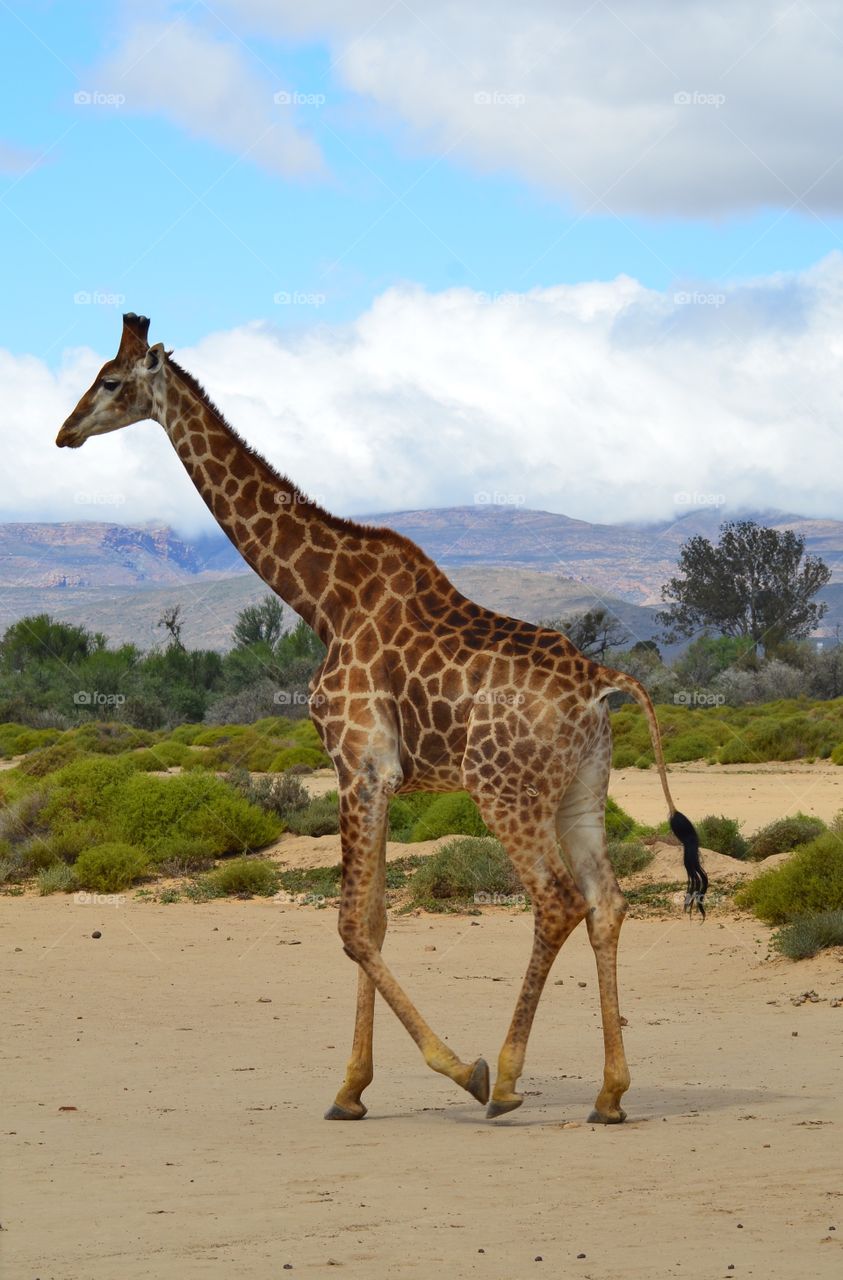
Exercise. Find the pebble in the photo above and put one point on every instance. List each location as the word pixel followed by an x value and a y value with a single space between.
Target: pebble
pixel 96 934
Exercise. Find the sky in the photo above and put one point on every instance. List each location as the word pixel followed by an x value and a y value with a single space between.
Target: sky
pixel 563 254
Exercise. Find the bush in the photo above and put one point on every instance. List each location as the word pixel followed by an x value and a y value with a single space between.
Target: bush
pixel 453 813
pixel 283 795
pixel 321 817
pixel 152 810
pixel 290 756
pixel 108 868
pixel 619 824
pixel 784 835
pixel 807 935
pixel 178 855
pixel 628 856
pixel 462 872
pixel 808 883
pixel 244 876
pixel 59 878
pixel 723 835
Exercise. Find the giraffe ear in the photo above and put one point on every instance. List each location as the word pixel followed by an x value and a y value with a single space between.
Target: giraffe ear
pixel 154 358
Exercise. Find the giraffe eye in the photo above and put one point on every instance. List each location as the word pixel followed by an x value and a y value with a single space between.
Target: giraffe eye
pixel 110 384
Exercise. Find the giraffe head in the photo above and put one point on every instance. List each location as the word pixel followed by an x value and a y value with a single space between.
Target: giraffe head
pixel 122 391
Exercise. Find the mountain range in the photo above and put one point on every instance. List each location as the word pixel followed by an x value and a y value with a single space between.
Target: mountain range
pixel 532 564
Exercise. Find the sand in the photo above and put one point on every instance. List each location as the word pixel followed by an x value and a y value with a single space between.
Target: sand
pixel 199 1045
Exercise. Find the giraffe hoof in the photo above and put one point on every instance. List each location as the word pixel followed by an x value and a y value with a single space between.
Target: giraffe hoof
pixel 343 1113
pixel 478 1082
pixel 597 1117
pixel 499 1107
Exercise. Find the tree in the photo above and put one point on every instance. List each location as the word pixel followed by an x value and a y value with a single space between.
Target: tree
pixel 260 623
pixel 593 632
pixel 172 621
pixel 39 638
pixel 757 583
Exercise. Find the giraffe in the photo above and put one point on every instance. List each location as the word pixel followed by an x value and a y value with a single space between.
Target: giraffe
pixel 421 690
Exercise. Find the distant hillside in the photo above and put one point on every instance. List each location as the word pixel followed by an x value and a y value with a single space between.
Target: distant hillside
pixel 532 564
pixel 210 605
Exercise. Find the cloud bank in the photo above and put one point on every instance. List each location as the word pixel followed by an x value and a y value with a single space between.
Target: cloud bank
pixel 607 401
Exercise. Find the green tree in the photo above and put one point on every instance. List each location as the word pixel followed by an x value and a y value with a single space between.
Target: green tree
pixel 593 632
pixel 37 639
pixel 757 583
pixel 260 623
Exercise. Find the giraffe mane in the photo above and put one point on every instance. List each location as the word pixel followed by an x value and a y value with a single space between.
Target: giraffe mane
pixel 341 524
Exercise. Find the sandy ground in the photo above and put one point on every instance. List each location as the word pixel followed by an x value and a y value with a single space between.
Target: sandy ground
pixel 199 1045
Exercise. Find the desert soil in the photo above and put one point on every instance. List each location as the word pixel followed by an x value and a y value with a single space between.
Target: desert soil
pixel 164 1085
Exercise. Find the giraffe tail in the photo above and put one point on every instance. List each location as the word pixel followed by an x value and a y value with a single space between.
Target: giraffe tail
pixel 619 682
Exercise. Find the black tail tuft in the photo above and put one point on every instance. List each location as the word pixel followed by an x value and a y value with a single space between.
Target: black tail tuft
pixel 685 831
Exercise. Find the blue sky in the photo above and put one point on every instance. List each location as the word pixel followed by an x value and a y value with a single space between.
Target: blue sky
pixel 127 203
pixel 582 254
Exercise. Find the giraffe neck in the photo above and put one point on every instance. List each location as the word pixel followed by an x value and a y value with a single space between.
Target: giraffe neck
pixel 282 535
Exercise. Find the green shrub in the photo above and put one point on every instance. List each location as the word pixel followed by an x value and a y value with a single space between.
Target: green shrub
pixel 628 856
pixel 321 817
pixel 50 759
pixel 619 825
pixel 177 855
pixel 108 868
pixel 687 746
pixel 453 813
pixel 289 756
pixel 623 756
pixel 244 876
pixel 784 835
pixel 59 878
pixel 153 810
pixel 464 872
pixel 807 935
pixel 723 835
pixel 808 883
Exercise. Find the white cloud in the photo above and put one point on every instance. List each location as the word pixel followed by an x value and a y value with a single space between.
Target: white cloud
pixel 211 88
pixel 601 400
pixel 580 96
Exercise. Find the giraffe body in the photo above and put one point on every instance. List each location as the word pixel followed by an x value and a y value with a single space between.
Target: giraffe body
pixel 421 690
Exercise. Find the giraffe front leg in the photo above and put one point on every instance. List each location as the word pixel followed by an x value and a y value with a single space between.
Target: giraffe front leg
pixel 363 820
pixel 348 1104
